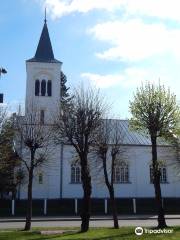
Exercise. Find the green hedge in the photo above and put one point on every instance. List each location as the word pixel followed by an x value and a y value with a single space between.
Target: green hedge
pixel 37 207
pixel 124 206
pixel 172 205
pixel 97 206
pixel 60 207
pixel 5 207
pixel 146 206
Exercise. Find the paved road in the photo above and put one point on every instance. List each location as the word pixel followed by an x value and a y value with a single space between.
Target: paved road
pixel 93 223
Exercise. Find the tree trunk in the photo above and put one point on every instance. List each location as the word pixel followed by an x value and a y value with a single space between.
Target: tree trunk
pixel 29 199
pixel 157 186
pixel 111 191
pixel 114 208
pixel 86 183
pixel 29 202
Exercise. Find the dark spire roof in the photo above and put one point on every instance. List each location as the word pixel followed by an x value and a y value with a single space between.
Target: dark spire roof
pixel 44 52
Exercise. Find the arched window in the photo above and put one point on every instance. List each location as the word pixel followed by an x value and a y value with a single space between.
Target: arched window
pixel 163 174
pixel 121 173
pixel 43 88
pixel 49 88
pixel 37 87
pixel 75 173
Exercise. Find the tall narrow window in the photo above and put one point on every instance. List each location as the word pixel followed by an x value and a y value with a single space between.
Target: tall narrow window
pixel 163 174
pixel 43 88
pixel 42 117
pixel 75 173
pixel 40 178
pixel 49 88
pixel 121 173
pixel 37 87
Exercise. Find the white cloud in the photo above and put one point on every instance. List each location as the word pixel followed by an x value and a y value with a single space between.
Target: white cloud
pixel 131 39
pixel 126 82
pixel 134 40
pixel 128 78
pixel 58 8
pixel 132 77
pixel 102 81
pixel 164 9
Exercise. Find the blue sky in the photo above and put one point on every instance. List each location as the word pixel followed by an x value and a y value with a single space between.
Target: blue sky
pixel 114 45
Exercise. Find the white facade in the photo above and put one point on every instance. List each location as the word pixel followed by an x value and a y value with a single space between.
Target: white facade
pixel 57 176
pixel 53 179
pixel 43 71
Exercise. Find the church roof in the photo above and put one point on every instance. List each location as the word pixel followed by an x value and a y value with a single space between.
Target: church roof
pixel 130 137
pixel 44 52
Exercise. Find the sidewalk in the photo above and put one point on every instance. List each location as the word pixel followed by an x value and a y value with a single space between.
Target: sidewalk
pixel 93 218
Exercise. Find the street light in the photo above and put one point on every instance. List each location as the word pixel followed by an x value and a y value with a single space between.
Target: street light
pixel 2 71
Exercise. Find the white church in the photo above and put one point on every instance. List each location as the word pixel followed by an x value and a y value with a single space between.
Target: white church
pixel 60 177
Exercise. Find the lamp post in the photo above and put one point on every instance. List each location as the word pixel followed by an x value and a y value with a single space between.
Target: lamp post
pixel 2 71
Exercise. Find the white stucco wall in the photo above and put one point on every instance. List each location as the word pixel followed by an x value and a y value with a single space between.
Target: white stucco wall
pixel 46 71
pixel 138 158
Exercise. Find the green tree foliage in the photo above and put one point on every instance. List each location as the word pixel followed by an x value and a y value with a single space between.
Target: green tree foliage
pixel 156 113
pixel 8 159
pixel 65 96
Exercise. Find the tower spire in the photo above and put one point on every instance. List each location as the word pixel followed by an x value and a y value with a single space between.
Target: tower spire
pixel 45 19
pixel 44 51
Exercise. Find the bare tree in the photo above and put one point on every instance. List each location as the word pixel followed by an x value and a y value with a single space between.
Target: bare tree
pixel 33 140
pixel 78 124
pixel 109 152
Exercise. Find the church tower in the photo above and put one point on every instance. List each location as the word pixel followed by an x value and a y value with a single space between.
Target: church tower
pixel 43 79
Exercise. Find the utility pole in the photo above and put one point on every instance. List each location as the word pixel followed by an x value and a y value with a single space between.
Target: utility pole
pixel 2 71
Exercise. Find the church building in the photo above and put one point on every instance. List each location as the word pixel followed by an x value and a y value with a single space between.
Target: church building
pixel 60 176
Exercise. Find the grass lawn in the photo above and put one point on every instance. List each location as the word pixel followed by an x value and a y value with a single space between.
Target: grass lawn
pixel 125 233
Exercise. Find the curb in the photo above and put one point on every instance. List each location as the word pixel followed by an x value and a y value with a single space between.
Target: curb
pixel 66 219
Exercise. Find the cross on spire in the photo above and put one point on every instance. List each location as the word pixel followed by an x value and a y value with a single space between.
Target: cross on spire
pixel 45 19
